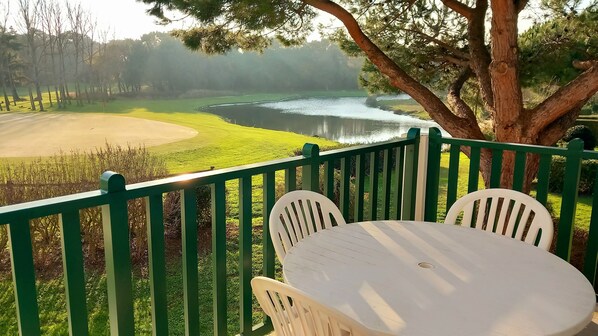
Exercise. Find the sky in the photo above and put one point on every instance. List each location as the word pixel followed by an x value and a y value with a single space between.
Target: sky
pixel 126 18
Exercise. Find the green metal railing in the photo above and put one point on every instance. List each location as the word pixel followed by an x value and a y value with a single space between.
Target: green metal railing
pixel 369 182
pixel 573 155
pixel 388 198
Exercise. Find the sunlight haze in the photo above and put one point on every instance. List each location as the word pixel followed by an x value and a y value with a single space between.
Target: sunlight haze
pixel 127 18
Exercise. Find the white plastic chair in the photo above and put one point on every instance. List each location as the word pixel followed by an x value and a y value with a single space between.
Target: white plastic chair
pixel 299 214
pixel 294 313
pixel 513 215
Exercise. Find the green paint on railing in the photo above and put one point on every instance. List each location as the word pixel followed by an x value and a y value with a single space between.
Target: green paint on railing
pixel 410 175
pixel 219 296
pixel 398 191
pixel 74 277
pixel 453 176
pixel 290 179
pixel 190 276
pixel 496 169
pixel 359 187
pixel 386 183
pixel 433 175
pixel 345 187
pixel 519 171
pixel 311 172
pixel 474 169
pixel 329 179
pixel 157 263
pixel 374 177
pixel 267 247
pixel 566 222
pixel 118 264
pixel 23 276
pixel 245 232
pixel 591 257
pixel 543 174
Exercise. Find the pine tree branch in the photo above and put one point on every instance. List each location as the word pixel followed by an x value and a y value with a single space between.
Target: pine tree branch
pixel 459 7
pixel 455 125
pixel 566 99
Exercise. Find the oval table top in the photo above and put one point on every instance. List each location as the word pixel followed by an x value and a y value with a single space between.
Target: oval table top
pixel 416 278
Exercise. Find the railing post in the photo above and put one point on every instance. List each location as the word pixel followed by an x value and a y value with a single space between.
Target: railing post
pixel 410 175
pixel 569 196
pixel 311 173
pixel 433 174
pixel 118 264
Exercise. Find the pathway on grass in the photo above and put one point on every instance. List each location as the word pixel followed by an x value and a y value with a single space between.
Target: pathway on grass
pixel 46 134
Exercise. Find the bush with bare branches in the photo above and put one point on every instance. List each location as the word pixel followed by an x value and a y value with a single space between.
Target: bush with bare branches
pixel 76 172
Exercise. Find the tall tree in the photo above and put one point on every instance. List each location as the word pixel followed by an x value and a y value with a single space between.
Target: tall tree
pixel 29 11
pixel 414 44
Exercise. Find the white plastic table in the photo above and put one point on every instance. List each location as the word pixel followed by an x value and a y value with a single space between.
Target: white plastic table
pixel 416 278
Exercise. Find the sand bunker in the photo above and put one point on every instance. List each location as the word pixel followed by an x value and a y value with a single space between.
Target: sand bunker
pixel 45 134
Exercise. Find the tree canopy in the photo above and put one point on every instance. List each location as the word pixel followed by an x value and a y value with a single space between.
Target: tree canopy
pixel 419 46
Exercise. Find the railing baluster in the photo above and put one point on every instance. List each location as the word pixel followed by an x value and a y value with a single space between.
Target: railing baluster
pixel 386 183
pixel 572 173
pixel 219 258
pixel 433 175
pixel 329 179
pixel 190 276
pixel 117 251
pixel 269 200
pixel 542 186
pixel 245 232
pixel 496 168
pixel 157 263
pixel 519 171
pixel 23 275
pixel 359 187
pixel 591 257
pixel 453 176
pixel 290 179
pixel 74 278
pixel 345 186
pixel 474 169
pixel 398 191
pixel 374 168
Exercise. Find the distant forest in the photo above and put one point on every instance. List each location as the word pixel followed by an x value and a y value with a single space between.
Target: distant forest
pixel 59 52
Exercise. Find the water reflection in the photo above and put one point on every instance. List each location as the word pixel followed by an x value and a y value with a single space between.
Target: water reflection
pixel 346 120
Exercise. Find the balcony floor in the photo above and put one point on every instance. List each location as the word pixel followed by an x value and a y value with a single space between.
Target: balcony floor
pixel 592 328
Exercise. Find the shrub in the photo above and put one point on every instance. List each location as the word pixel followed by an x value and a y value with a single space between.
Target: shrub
pixel 557 175
pixel 78 172
pixel 172 211
pixel 582 132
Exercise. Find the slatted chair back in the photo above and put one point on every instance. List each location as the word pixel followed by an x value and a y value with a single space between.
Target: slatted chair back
pixel 507 212
pixel 299 214
pixel 294 313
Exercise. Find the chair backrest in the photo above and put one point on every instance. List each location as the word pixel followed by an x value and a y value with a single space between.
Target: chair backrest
pixel 299 214
pixel 505 212
pixel 293 312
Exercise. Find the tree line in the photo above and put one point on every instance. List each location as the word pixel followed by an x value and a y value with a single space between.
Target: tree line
pixel 57 50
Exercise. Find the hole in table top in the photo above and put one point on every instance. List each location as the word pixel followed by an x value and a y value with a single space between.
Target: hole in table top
pixel 424 264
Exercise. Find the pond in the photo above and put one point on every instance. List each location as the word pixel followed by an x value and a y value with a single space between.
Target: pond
pixel 346 120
